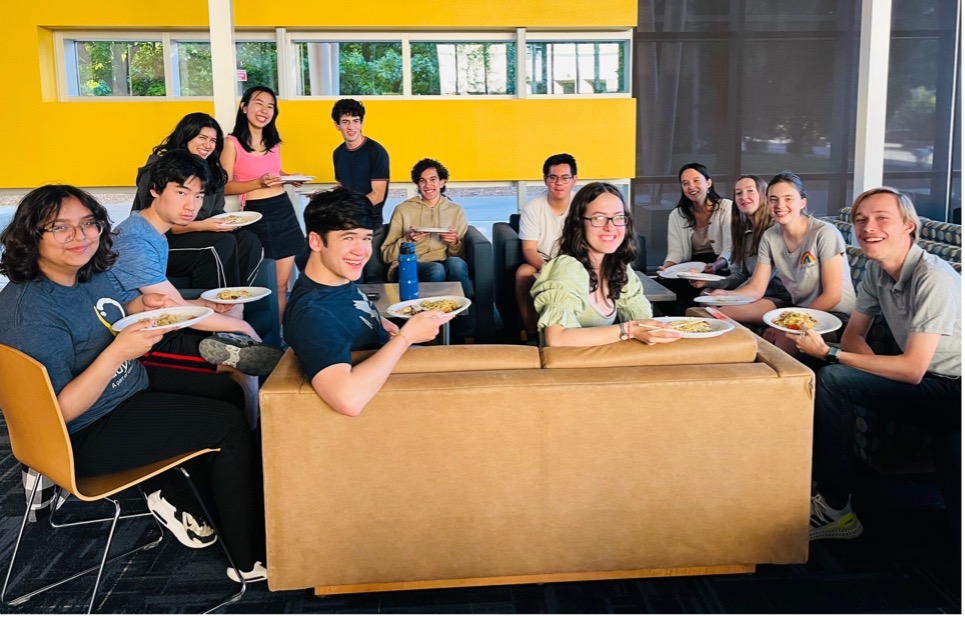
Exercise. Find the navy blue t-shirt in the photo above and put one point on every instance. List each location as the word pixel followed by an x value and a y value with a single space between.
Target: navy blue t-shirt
pixel 356 169
pixel 325 324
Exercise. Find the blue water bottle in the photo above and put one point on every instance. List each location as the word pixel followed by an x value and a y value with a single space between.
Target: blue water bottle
pixel 408 272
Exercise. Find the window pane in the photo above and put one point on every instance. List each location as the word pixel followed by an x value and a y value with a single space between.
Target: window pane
pixel 590 67
pixel 120 68
pixel 798 15
pixel 923 15
pixel 194 69
pixel 910 124
pixel 259 60
pixel 677 16
pixel 463 68
pixel 353 68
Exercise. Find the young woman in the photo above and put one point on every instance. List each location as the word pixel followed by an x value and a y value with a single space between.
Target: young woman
pixel 749 220
pixel 808 255
pixel 252 161
pixel 210 252
pixel 589 294
pixel 697 229
pixel 120 414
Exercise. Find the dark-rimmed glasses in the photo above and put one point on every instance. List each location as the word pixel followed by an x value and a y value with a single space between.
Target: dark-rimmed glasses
pixel 599 220
pixel 65 233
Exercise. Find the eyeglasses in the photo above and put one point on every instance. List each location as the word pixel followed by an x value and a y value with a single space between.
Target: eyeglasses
pixel 65 233
pixel 599 220
pixel 558 179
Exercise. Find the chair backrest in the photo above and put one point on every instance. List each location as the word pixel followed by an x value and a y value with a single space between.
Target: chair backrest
pixel 38 433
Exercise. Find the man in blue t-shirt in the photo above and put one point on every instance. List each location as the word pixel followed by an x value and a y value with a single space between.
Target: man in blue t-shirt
pixel 361 163
pixel 328 317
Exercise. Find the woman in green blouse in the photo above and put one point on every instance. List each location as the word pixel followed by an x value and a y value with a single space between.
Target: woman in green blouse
pixel 589 294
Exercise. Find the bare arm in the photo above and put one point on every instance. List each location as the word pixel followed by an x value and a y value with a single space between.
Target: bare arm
pixel 908 367
pixel 831 282
pixel 208 224
pixel 855 334
pixel 236 187
pixel 561 336
pixel 213 323
pixel 531 255
pixel 753 288
pixel 379 189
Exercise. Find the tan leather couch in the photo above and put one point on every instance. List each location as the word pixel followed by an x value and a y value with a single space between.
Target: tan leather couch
pixel 481 465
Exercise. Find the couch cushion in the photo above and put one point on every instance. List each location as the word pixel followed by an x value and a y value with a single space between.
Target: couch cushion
pixel 737 346
pixel 461 358
pixel 937 231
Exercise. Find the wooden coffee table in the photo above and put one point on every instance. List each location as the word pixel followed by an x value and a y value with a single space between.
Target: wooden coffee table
pixel 389 295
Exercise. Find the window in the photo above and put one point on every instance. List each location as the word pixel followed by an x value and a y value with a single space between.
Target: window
pixel 585 67
pixel 116 68
pixel 463 68
pixel 345 68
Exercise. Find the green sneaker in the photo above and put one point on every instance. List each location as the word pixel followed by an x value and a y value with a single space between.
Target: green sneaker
pixel 826 522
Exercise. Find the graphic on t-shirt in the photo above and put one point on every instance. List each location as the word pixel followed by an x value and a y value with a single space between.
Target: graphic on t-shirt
pixel 364 306
pixel 100 309
pixel 808 258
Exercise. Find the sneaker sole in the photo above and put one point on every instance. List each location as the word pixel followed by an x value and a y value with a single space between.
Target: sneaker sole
pixel 837 533
pixel 258 361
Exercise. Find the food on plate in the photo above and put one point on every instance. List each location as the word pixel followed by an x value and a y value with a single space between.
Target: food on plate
pixel 233 294
pixel 169 319
pixel 235 219
pixel 698 325
pixel 794 320
pixel 446 306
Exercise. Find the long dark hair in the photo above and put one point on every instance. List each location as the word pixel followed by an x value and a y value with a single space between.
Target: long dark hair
pixel 21 239
pixel 741 226
pixel 269 135
pixel 573 242
pixel 187 129
pixel 684 204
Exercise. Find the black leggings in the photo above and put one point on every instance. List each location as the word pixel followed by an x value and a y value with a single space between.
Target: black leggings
pixel 184 411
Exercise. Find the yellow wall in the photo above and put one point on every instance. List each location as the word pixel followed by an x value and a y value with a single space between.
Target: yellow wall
pixel 102 142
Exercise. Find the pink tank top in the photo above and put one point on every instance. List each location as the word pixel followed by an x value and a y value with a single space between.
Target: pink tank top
pixel 249 166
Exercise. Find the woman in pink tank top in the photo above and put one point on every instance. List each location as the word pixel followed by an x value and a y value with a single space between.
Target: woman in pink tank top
pixel 252 161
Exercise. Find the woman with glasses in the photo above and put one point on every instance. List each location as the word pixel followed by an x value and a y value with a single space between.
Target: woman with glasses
pixel 589 294
pixel 207 250
pixel 121 414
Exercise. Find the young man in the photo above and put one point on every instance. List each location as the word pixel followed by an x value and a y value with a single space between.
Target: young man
pixel 328 317
pixel 540 228
pixel 919 295
pixel 361 163
pixel 177 187
pixel 439 254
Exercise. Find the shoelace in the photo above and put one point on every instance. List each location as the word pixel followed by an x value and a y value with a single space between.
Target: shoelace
pixel 821 512
pixel 198 526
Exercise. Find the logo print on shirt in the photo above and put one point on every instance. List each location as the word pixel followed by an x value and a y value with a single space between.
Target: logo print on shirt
pixel 101 311
pixel 808 258
pixel 365 306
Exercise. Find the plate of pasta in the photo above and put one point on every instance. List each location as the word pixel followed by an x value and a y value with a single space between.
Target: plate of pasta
pixel 175 318
pixel 795 319
pixel 238 219
pixel 696 327
pixel 235 295
pixel 446 304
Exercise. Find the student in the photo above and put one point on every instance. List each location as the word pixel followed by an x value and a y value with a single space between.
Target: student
pixel 329 317
pixel 361 163
pixel 697 229
pixel 439 254
pixel 808 255
pixel 919 295
pixel 208 251
pixel 252 161
pixel 540 227
pixel 749 220
pixel 119 413
pixel 589 294
pixel 177 189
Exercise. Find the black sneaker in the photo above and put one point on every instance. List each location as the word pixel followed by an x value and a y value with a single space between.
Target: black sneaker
pixel 241 352
pixel 190 531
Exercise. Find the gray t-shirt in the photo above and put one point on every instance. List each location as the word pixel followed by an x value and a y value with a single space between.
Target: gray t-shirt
pixel 800 270
pixel 65 329
pixel 142 257
pixel 926 298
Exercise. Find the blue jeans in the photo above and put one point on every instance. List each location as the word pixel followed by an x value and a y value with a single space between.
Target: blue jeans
pixel 844 393
pixel 452 269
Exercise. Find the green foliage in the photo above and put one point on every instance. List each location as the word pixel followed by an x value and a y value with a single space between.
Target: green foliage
pixel 261 62
pixel 916 113
pixel 425 69
pixel 121 68
pixel 370 68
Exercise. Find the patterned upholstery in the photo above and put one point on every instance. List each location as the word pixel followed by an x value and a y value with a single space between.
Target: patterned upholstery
pixel 846 230
pixel 948 233
pixel 948 252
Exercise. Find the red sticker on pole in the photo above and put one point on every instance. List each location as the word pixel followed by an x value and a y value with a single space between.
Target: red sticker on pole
pixel 242 75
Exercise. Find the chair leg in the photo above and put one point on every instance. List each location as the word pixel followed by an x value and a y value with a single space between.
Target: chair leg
pixel 224 545
pixel 57 525
pixel 107 549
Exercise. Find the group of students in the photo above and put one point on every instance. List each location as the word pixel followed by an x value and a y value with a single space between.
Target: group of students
pixel 142 395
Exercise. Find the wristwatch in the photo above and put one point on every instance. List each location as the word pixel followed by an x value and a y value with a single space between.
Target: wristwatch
pixel 832 356
pixel 624 335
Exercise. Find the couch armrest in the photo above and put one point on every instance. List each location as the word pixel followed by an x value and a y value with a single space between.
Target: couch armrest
pixel 478 252
pixel 507 257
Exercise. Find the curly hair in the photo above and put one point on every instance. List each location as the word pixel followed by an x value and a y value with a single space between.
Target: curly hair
pixel 425 164
pixel 20 261
pixel 348 107
pixel 187 129
pixel 269 135
pixel 684 204
pixel 742 226
pixel 573 241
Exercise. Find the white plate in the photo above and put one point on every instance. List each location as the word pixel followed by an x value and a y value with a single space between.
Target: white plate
pixel 718 326
pixel 193 313
pixel 297 178
pixel 826 321
pixel 257 293
pixel 431 230
pixel 724 300
pixel 700 276
pixel 239 219
pixel 671 272
pixel 396 310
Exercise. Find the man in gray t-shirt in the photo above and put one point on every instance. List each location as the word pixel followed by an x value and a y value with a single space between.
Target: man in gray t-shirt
pixel 919 296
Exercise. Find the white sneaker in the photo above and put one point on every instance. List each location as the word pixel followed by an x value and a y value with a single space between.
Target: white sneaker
pixel 826 522
pixel 256 574
pixel 190 531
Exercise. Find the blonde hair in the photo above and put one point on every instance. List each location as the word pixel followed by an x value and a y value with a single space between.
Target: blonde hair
pixel 905 207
